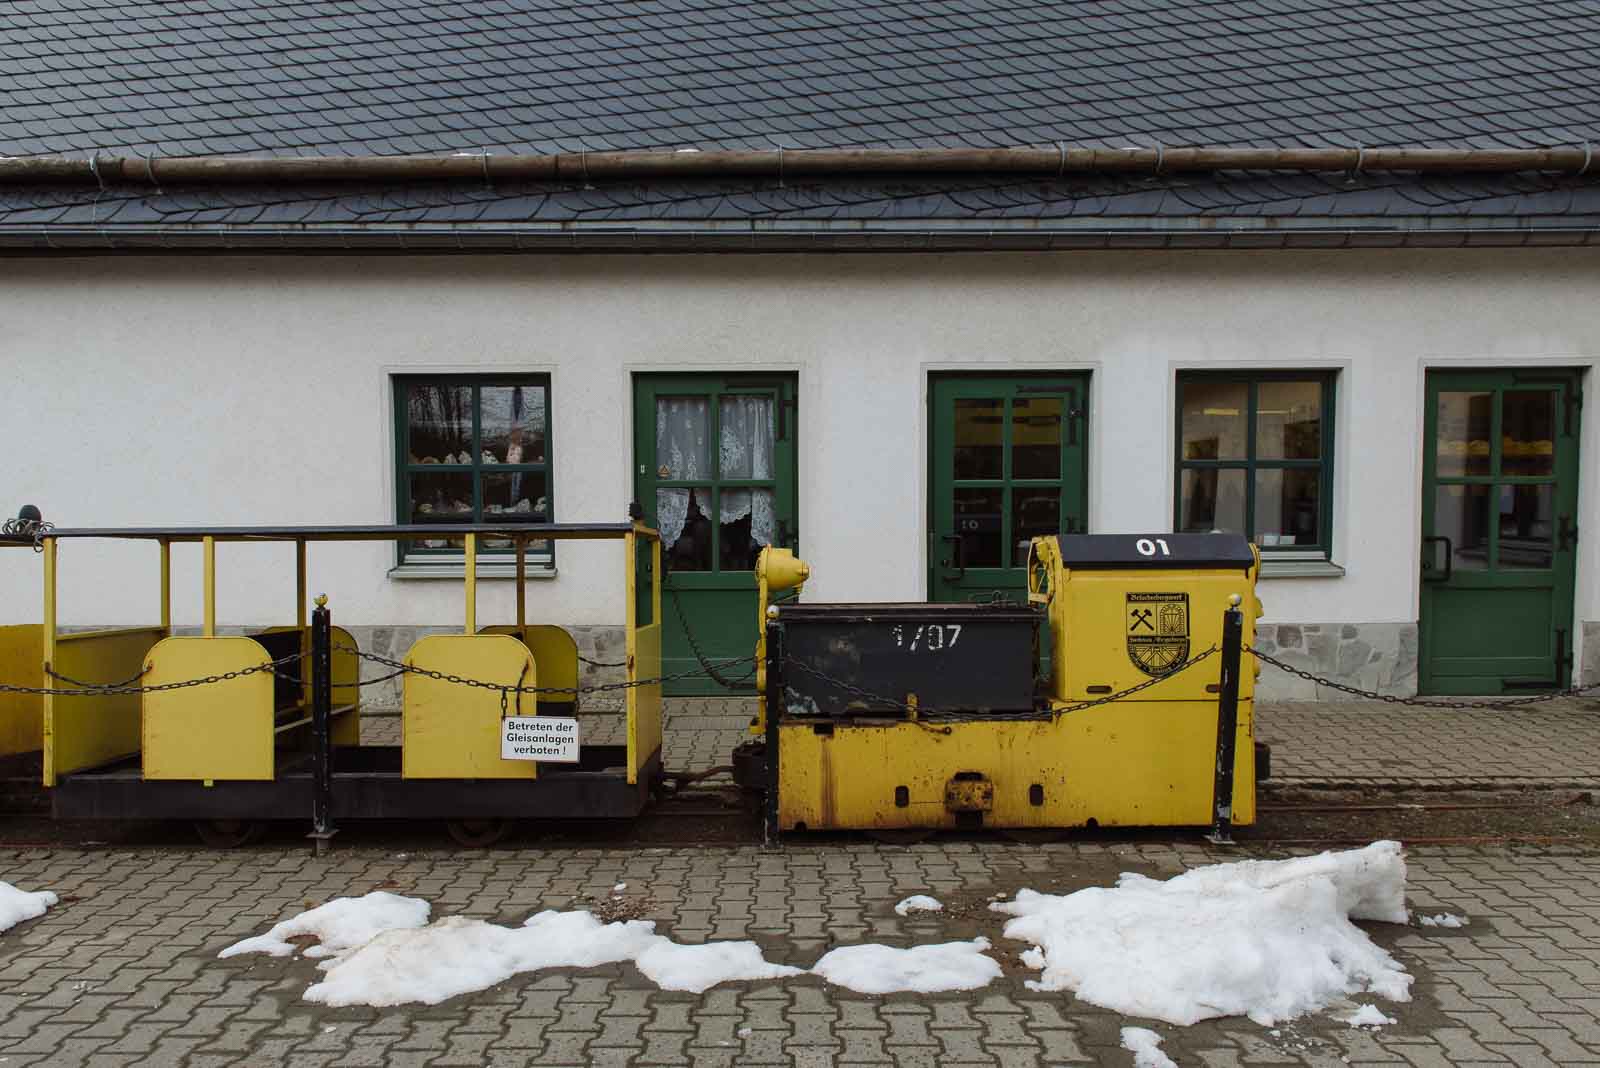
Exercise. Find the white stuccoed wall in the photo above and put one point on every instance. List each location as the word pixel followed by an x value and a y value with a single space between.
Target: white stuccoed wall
pixel 141 391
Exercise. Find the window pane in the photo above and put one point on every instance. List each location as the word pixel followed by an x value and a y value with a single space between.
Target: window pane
pixel 683 433
pixel 511 424
pixel 1213 500
pixel 1527 433
pixel 1288 507
pixel 439 424
pixel 440 498
pixel 1527 525
pixel 978 513
pixel 1289 421
pixel 516 497
pixel 748 520
pixel 1034 513
pixel 1462 434
pixel 745 438
pixel 1215 420
pixel 1036 437
pixel 980 452
pixel 685 528
pixel 1461 513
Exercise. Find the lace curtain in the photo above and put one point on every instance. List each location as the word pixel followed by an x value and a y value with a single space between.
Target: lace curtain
pixel 683 426
pixel 745 450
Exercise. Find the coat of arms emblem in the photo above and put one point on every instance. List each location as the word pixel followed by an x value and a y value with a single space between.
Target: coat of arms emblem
pixel 1158 631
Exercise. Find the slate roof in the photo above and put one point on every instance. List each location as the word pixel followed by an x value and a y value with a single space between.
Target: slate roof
pixel 384 77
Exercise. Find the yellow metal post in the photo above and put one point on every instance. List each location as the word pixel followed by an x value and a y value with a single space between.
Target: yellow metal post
pixel 210 622
pixel 522 592
pixel 166 586
pixel 300 617
pixel 49 628
pixel 472 583
pixel 300 584
pixel 655 580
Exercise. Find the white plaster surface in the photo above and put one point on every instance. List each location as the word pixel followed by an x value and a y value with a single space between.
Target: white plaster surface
pixel 143 391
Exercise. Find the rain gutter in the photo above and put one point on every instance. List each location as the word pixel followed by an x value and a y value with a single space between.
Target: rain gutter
pixel 781 164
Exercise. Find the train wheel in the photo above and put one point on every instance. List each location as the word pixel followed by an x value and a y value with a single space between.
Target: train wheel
pixel 230 834
pixel 902 836
pixel 478 834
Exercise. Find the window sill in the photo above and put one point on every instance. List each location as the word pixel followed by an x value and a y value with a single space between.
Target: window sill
pixel 457 570
pixel 1299 567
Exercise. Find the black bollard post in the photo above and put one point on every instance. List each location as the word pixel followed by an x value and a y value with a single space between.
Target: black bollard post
pixel 1227 723
pixel 322 829
pixel 774 701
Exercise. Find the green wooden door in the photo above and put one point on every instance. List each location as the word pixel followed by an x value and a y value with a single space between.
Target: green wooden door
pixel 1499 531
pixel 714 470
pixel 1007 463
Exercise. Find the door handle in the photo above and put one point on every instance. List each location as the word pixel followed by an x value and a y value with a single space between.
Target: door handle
pixel 955 560
pixel 1449 558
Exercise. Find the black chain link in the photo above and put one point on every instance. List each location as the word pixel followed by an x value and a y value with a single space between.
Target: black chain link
pixel 706 667
pixel 1420 702
pixel 90 689
pixel 920 713
pixel 27 528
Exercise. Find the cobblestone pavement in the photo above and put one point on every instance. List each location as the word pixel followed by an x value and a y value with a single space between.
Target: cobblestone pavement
pixel 1554 743
pixel 125 970
pixel 1351 742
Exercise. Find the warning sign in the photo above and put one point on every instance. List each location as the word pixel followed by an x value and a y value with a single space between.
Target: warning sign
pixel 547 738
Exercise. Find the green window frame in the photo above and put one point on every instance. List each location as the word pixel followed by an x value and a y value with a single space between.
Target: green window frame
pixel 1246 439
pixel 473 449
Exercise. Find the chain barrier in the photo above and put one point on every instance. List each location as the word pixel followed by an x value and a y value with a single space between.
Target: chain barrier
pixel 117 689
pixel 925 717
pixel 34 529
pixel 1420 702
pixel 402 668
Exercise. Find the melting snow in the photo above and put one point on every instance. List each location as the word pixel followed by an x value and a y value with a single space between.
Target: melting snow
pixel 1265 939
pixel 1444 919
pixel 918 903
pixel 18 905
pixel 1145 1045
pixel 921 969
pixel 343 923
pixel 1367 1016
pixel 700 967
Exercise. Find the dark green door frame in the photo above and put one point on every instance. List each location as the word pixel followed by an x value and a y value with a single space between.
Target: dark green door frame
pixel 712 587
pixel 1007 460
pixel 1499 531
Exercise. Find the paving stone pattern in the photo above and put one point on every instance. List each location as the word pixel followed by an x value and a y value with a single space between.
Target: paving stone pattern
pixel 1352 742
pixel 125 971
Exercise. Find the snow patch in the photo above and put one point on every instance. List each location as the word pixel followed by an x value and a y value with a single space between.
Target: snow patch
pixel 1145 1045
pixel 18 905
pixel 1443 919
pixel 918 903
pixel 696 968
pixel 1265 939
pixel 874 969
pixel 384 952
pixel 341 924
pixel 1367 1016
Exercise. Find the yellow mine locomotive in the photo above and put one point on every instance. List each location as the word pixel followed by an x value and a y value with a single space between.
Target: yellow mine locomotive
pixel 1113 696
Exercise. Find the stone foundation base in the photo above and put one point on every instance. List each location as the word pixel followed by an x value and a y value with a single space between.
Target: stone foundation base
pixel 1381 657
